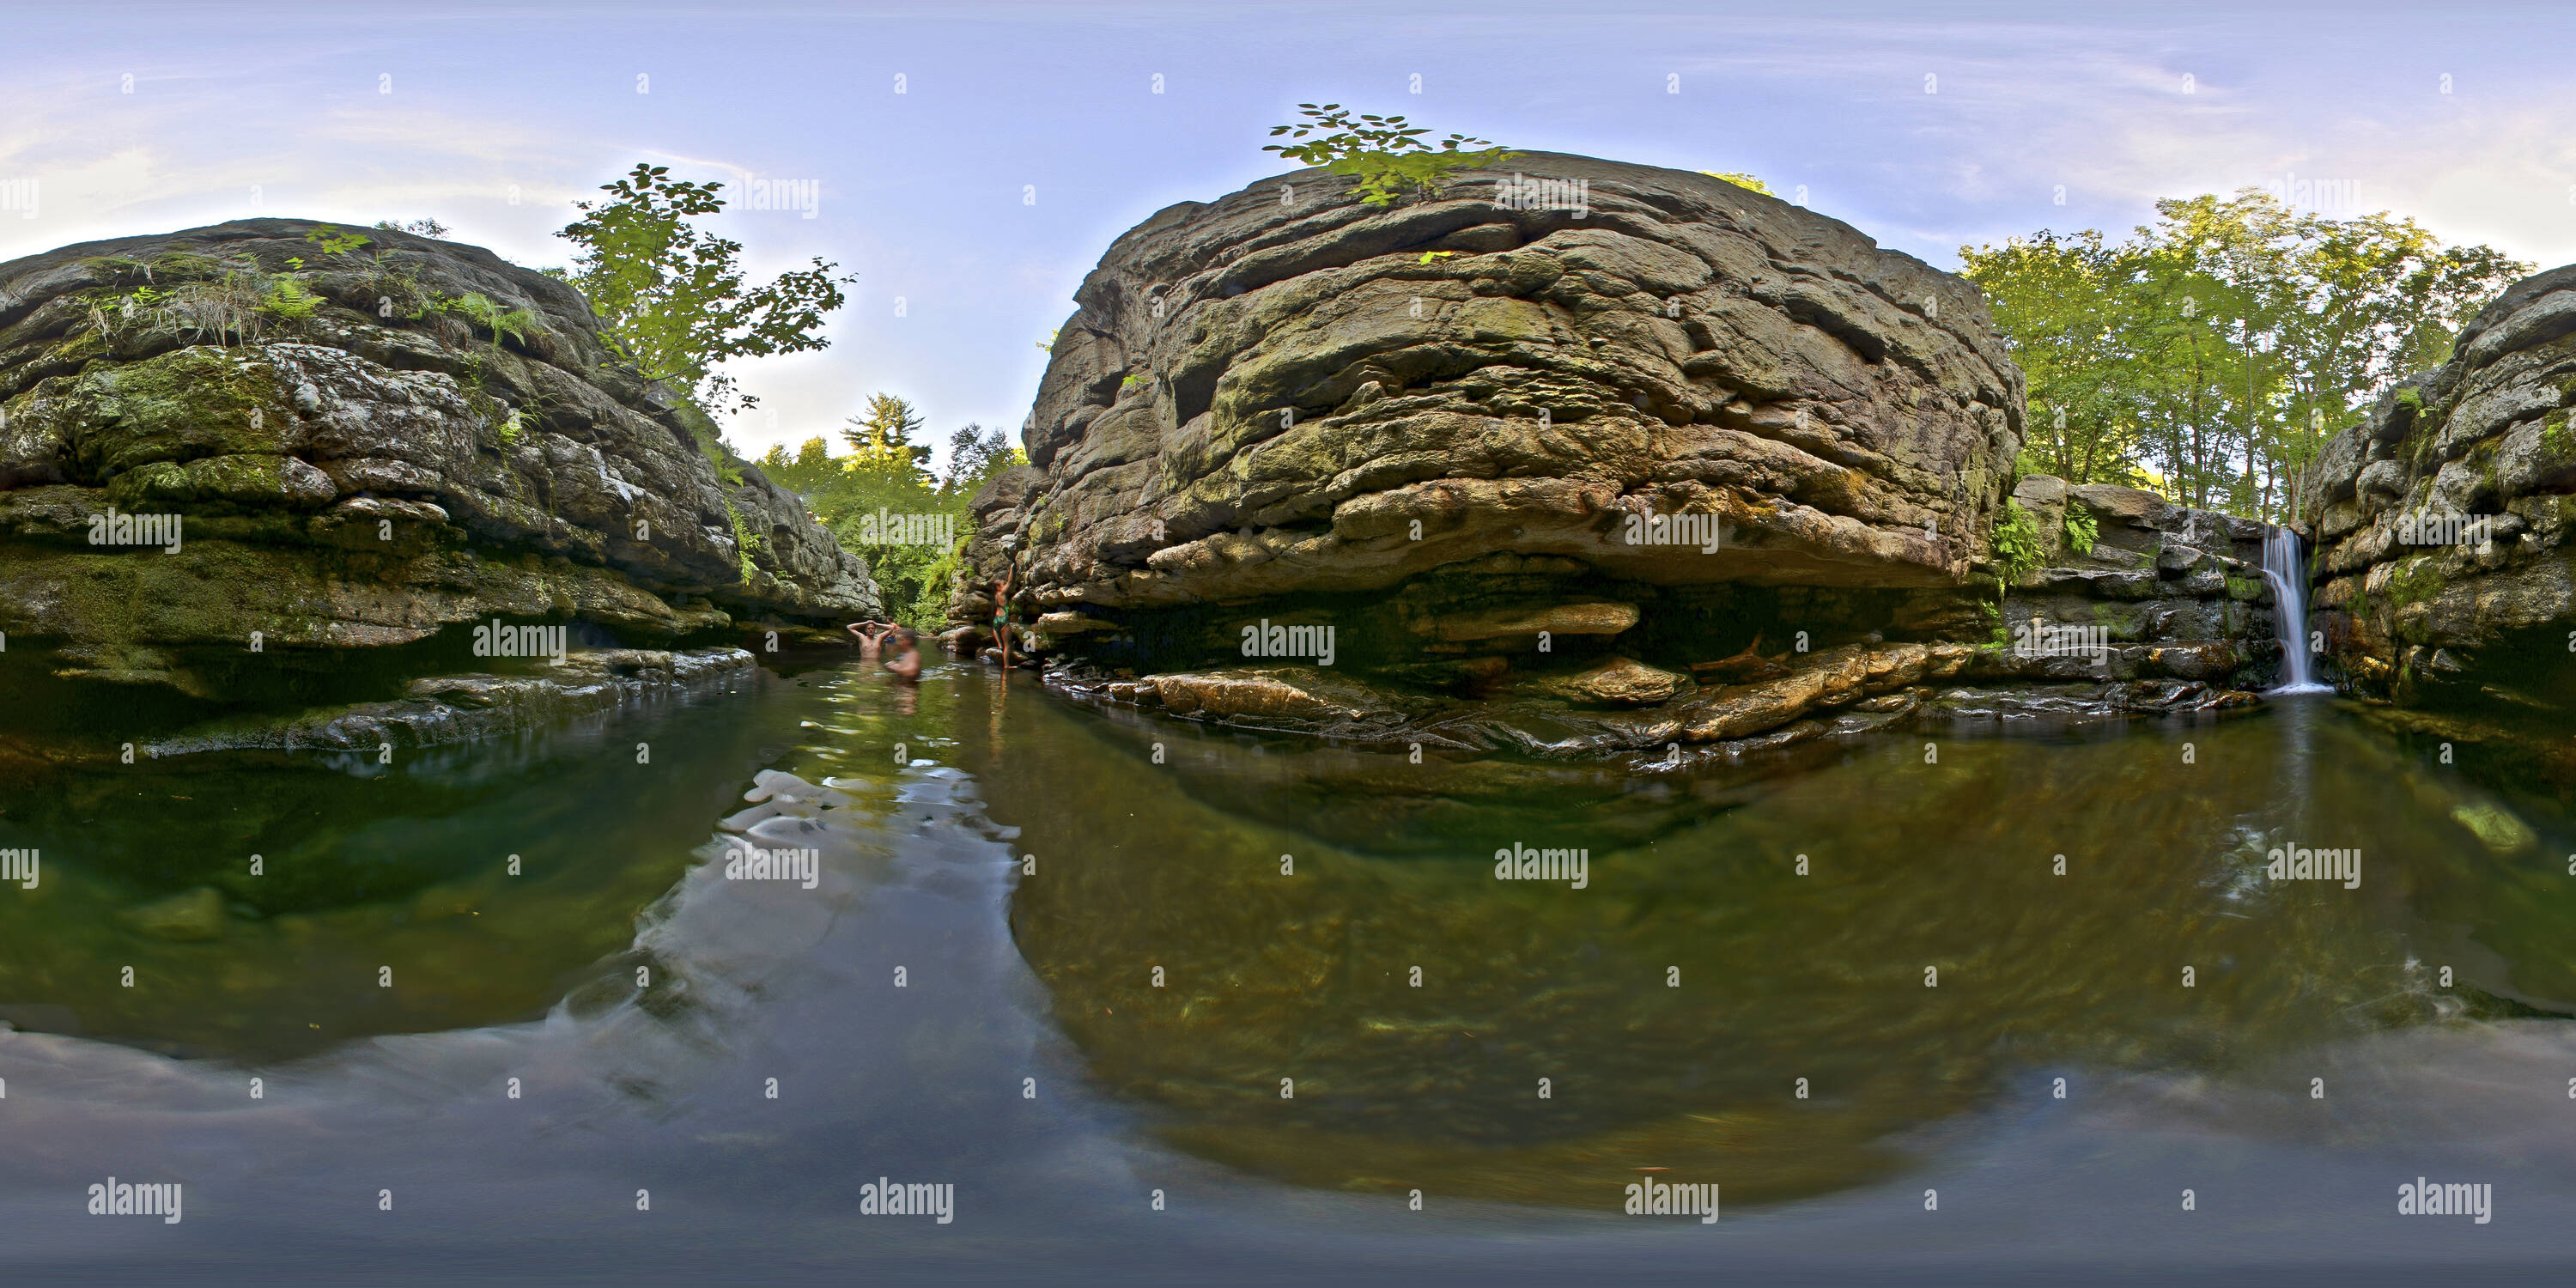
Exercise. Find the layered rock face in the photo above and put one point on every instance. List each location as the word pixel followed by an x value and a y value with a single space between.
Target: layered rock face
pixel 2163 599
pixel 1286 392
pixel 2166 610
pixel 2442 521
pixel 1673 465
pixel 359 447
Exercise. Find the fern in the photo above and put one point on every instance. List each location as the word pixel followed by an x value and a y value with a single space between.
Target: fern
pixel 504 323
pixel 2081 530
pixel 287 297
pixel 744 542
pixel 333 241
pixel 2016 543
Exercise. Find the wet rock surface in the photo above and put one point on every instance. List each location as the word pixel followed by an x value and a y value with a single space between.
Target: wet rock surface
pixel 2164 592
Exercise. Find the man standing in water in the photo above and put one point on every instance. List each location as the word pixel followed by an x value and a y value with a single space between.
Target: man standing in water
pixel 906 662
pixel 869 641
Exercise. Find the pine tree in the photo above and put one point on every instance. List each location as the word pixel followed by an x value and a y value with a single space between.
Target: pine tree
pixel 881 441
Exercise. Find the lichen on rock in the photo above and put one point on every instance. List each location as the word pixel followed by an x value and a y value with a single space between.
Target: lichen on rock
pixel 357 462
pixel 2442 566
pixel 1548 473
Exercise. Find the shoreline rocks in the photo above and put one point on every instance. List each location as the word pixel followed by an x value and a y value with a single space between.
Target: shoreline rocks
pixel 1687 466
pixel 2443 571
pixel 353 451
pixel 444 709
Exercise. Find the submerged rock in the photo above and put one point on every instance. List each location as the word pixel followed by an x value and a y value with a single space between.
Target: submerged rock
pixel 455 708
pixel 355 449
pixel 183 918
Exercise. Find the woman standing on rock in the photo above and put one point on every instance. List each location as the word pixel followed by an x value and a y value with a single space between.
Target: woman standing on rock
pixel 1002 614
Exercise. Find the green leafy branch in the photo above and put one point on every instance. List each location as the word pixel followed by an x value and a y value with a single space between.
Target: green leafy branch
pixel 1385 153
pixel 673 297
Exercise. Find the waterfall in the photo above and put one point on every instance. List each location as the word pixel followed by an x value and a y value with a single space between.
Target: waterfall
pixel 2287 569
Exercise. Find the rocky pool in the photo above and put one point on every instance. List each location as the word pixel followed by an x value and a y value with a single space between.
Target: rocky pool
pixel 1172 1002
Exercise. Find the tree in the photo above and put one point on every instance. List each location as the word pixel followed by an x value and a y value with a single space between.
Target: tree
pixel 2215 351
pixel 672 297
pixel 881 441
pixel 2058 299
pixel 845 492
pixel 975 455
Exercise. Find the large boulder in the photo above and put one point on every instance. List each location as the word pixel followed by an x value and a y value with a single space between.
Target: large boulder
pixel 2443 566
pixel 361 446
pixel 1288 393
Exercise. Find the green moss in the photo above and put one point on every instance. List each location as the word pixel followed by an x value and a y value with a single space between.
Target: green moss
pixel 2554 437
pixel 181 266
pixel 2410 399
pixel 2415 580
pixel 198 401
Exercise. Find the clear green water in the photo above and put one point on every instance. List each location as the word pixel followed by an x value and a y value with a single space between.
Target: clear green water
pixel 1672 1005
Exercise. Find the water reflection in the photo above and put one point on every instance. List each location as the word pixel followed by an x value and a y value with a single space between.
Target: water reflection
pixel 268 906
pixel 1973 911
pixel 1672 1006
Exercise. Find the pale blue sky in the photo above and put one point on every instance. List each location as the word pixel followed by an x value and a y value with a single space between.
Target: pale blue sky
pixel 921 193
